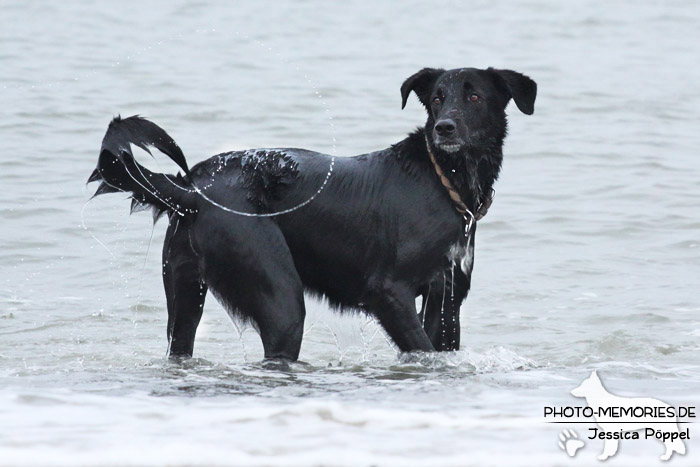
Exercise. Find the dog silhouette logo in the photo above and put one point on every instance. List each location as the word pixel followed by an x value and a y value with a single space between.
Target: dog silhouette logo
pixel 623 417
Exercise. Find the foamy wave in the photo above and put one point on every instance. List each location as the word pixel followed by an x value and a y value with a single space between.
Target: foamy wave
pixel 493 360
pixel 75 429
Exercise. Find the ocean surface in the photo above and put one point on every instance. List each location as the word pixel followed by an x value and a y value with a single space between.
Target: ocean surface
pixel 588 259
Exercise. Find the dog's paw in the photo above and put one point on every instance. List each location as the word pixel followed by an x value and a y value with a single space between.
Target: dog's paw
pixel 569 442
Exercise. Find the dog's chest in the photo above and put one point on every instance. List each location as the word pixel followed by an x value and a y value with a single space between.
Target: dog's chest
pixel 460 254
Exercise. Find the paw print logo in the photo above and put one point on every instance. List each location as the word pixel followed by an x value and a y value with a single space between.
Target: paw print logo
pixel 569 442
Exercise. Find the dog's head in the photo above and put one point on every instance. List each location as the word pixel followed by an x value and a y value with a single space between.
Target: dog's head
pixel 589 386
pixel 466 106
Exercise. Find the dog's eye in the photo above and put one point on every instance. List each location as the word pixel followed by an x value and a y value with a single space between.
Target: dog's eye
pixel 436 100
pixel 473 97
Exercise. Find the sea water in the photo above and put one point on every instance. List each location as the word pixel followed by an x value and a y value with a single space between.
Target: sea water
pixel 587 260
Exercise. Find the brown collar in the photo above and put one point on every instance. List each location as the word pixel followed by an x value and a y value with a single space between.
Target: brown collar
pixel 459 205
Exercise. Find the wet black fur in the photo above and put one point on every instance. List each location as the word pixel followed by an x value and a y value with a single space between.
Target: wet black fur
pixel 382 231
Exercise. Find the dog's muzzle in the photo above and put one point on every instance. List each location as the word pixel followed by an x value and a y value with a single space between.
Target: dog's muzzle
pixel 450 147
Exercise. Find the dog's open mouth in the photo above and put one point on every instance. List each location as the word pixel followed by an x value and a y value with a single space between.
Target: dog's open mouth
pixel 450 147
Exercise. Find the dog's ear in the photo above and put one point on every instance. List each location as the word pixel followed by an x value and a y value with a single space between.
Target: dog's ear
pixel 522 89
pixel 421 83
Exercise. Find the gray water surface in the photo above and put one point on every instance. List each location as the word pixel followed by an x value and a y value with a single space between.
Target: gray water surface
pixel 587 260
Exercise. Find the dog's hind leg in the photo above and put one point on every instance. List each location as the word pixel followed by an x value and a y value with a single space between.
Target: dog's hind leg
pixel 279 314
pixel 184 288
pixel 250 269
pixel 676 445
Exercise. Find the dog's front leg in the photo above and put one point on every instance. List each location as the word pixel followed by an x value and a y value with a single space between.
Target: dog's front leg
pixel 442 300
pixel 609 449
pixel 441 304
pixel 394 306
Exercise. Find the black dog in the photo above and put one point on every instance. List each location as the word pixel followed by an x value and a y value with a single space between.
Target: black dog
pixel 370 233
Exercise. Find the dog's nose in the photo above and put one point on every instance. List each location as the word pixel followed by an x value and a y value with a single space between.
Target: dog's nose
pixel 445 127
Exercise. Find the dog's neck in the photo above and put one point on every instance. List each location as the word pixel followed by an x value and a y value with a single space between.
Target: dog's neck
pixel 472 171
pixel 593 402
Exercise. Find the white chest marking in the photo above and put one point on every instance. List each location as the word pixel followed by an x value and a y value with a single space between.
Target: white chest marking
pixel 465 257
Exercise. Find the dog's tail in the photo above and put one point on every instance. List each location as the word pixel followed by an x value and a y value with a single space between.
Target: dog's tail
pixel 117 170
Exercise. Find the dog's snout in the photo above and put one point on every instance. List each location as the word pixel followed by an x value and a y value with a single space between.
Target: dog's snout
pixel 445 127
